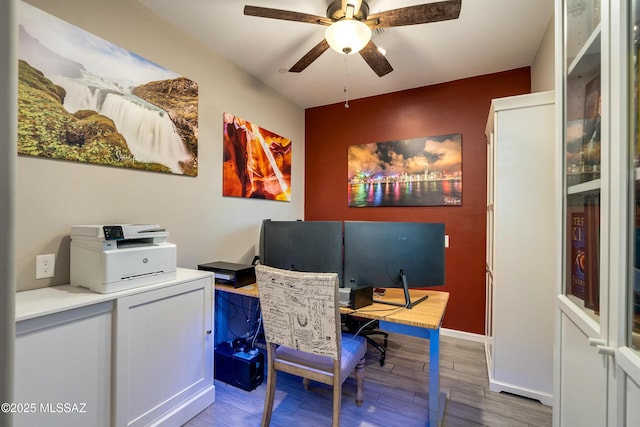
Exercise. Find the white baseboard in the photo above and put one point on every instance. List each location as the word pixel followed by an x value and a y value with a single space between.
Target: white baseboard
pixel 544 397
pixel 462 335
pixel 186 410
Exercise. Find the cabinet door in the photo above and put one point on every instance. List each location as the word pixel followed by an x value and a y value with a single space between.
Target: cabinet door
pixel 583 310
pixel 164 354
pixel 63 368
pixel 628 353
pixel 488 328
pixel 583 155
pixel 598 335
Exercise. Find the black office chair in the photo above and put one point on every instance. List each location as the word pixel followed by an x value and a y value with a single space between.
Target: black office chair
pixel 367 328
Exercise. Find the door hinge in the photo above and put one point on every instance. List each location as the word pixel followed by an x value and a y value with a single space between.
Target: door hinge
pixel 602 346
pixel 596 342
pixel 606 350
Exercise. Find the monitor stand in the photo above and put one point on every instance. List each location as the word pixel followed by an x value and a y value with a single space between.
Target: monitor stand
pixel 407 298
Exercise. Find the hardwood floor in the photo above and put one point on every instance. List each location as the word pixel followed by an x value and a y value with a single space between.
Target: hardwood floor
pixel 395 394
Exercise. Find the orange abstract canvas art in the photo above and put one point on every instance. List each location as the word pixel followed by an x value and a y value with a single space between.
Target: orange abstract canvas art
pixel 257 162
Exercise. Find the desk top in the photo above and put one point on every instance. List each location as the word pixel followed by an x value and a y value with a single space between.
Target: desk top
pixel 427 314
pixel 247 290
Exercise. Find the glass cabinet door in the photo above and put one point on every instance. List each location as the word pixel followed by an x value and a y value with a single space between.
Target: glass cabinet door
pixel 599 301
pixel 634 227
pixel 582 145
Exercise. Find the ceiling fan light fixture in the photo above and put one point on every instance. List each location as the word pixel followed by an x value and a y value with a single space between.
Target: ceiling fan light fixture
pixel 348 36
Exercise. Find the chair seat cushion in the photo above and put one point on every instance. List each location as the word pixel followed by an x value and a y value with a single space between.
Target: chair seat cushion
pixel 354 348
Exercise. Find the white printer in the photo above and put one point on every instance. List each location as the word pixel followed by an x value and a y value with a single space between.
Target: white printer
pixel 109 258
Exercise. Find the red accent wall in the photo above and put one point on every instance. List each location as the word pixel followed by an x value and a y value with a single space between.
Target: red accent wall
pixel 460 106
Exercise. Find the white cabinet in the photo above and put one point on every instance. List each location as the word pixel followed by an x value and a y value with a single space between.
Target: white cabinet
pixel 138 357
pixel 63 368
pixel 521 245
pixel 164 354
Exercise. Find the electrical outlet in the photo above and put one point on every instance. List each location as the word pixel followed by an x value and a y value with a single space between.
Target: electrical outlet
pixel 45 266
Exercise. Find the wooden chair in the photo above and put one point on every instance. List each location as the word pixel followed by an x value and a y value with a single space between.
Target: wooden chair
pixel 301 318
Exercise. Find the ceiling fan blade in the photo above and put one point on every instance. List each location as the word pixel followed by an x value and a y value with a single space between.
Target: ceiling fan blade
pixel 376 59
pixel 309 57
pixel 287 15
pixel 419 14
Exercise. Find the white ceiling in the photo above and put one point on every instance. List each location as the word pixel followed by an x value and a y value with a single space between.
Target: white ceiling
pixel 489 36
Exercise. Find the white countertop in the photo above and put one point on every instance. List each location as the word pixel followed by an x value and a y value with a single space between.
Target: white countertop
pixel 53 299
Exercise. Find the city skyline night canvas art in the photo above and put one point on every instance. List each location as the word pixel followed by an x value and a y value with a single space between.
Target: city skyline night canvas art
pixel 424 171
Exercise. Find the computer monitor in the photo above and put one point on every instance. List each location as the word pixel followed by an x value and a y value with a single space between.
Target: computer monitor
pixel 394 255
pixel 310 246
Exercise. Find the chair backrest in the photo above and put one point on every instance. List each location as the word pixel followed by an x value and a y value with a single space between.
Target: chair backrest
pixel 300 310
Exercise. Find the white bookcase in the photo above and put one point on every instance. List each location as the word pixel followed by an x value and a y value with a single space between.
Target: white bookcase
pixel 521 245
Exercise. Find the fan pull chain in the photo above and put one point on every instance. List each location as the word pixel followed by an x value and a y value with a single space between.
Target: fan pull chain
pixel 346 81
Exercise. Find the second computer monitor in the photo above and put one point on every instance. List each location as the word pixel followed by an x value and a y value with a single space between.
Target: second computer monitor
pixel 393 254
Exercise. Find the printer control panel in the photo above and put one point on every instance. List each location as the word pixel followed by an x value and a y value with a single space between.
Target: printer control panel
pixel 113 232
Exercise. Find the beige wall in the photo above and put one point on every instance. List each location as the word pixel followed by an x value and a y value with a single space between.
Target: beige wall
pixel 542 69
pixel 53 195
pixel 8 131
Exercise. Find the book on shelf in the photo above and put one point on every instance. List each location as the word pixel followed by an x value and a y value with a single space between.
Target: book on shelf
pixel 583 137
pixel 578 255
pixel 592 252
pixel 585 257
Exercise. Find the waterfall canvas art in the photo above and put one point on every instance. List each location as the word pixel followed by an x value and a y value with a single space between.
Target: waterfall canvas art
pixel 257 162
pixel 84 99
pixel 424 171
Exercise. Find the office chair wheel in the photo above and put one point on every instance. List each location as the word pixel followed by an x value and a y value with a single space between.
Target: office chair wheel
pixel 374 344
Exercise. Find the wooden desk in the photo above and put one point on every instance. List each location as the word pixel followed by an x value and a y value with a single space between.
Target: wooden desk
pixel 247 291
pixel 422 321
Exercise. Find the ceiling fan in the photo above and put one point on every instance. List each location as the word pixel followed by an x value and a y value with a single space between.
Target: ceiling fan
pixel 349 27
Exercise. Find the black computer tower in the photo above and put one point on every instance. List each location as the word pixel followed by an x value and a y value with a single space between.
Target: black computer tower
pixel 241 369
